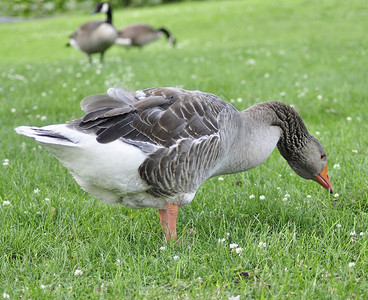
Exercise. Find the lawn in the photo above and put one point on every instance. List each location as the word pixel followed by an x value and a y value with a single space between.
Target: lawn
pixel 298 241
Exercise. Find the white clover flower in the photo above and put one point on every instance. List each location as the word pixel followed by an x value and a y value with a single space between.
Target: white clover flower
pixel 43 286
pixel 162 248
pixel 338 225
pixel 220 179
pixel 319 97
pixel 361 233
pixel 251 62
pixel 267 75
pixel 233 245
pixel 262 197
pixel 282 94
pixel 78 272
pixel 287 196
pixel 252 196
pixel 262 245
pixel 337 166
pixel 6 203
pixel 348 119
pixel 6 296
pixel 354 151
pixel 282 52
pixel 239 250
pixel 36 191
pixel 336 195
pixel 43 118
pixel 176 257
pixel 317 133
pixel 237 297
pixel 352 233
pixel 13 110
pixel 352 264
pixel 221 240
pixel 309 196
pixel 239 100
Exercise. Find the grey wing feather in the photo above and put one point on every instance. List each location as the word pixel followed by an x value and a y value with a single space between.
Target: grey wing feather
pixel 181 168
pixel 86 28
pixel 162 116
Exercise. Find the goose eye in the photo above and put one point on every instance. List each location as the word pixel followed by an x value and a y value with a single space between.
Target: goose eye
pixel 323 156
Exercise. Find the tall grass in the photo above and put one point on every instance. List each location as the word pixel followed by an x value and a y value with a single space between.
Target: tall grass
pixel 297 241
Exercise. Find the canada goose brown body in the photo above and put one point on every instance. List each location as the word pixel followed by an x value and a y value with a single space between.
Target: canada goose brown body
pixel 139 35
pixel 95 36
pixel 154 148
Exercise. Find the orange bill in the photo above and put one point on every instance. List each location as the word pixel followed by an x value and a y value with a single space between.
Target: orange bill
pixel 324 180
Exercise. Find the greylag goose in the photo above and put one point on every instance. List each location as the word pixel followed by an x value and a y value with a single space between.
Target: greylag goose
pixel 155 147
pixel 139 35
pixel 95 36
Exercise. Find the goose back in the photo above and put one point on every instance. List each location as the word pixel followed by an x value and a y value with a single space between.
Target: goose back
pixel 140 35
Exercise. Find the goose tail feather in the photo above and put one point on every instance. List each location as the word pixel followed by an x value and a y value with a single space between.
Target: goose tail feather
pixel 53 134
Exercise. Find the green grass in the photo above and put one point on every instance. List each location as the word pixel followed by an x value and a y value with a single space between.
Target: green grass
pixel 312 54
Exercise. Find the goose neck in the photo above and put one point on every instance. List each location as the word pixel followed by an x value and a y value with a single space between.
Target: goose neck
pixel 294 134
pixel 109 16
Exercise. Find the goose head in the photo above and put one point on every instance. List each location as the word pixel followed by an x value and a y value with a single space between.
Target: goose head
pixel 104 8
pixel 101 7
pixel 310 162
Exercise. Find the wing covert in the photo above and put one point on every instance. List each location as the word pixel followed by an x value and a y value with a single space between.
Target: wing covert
pixel 160 116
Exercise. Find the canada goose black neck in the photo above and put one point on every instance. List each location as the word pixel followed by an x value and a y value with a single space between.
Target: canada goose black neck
pixel 164 31
pixel 109 16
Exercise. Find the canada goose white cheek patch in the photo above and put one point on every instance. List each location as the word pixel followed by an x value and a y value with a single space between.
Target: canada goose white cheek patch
pixel 105 8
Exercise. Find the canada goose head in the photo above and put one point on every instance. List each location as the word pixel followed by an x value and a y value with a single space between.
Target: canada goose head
pixel 105 8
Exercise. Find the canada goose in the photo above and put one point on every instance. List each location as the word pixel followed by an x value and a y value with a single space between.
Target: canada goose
pixel 154 148
pixel 95 36
pixel 140 34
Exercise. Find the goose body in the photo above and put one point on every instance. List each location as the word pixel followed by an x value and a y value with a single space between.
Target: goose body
pixel 139 35
pixel 95 36
pixel 155 147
